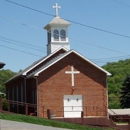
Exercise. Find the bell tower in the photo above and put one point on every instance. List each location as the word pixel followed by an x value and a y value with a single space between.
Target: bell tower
pixel 57 33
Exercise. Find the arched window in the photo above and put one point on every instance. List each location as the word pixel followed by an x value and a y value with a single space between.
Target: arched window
pixel 56 35
pixel 63 35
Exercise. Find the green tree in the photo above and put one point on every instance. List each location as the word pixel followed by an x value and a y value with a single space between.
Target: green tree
pixel 5 75
pixel 125 93
pixel 119 70
pixel 114 102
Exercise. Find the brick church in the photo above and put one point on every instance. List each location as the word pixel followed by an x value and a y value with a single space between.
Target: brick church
pixel 63 81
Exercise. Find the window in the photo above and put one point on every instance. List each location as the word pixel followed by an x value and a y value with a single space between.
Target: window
pixel 13 93
pixel 34 98
pixel 17 93
pixel 13 96
pixel 56 35
pixel 21 92
pixel 62 35
pixel 8 98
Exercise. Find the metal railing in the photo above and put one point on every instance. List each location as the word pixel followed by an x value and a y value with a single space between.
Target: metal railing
pixel 55 111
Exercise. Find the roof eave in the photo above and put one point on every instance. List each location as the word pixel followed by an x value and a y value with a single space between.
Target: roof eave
pixel 25 73
pixel 48 26
pixel 12 79
pixel 107 73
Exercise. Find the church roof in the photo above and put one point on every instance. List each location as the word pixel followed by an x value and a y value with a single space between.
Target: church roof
pixel 36 63
pixel 23 71
pixel 57 21
pixel 58 58
pixel 50 63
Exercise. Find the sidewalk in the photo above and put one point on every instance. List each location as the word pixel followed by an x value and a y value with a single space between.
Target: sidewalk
pixel 12 125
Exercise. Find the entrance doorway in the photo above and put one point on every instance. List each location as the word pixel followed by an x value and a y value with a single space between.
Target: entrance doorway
pixel 72 105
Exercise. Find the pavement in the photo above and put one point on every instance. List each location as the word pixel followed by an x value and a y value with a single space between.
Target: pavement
pixel 13 125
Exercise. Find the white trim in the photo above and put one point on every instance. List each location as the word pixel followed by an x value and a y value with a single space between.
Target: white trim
pixel 37 73
pixel 44 59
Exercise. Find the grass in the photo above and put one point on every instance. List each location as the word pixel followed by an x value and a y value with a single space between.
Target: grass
pixel 46 122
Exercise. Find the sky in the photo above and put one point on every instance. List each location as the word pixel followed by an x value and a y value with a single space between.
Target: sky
pixel 100 30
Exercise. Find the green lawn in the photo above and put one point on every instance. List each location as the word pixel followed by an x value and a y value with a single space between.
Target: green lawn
pixel 45 122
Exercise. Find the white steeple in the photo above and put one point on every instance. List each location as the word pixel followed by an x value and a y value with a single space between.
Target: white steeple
pixel 57 31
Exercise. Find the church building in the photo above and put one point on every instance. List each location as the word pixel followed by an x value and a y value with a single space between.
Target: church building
pixel 64 81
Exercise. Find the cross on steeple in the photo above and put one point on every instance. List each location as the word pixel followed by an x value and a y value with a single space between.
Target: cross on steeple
pixel 56 7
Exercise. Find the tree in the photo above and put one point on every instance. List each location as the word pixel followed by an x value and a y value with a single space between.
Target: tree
pixel 5 75
pixel 125 93
pixel 119 70
pixel 114 102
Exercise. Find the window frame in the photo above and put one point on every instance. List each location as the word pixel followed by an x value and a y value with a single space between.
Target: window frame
pixel 56 35
pixel 63 35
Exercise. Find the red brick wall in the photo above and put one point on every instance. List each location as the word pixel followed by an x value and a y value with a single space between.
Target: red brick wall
pixel 90 83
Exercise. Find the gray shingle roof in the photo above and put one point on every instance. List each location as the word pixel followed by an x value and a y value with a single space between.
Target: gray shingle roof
pixel 23 71
pixel 46 65
pixel 57 21
pixel 26 70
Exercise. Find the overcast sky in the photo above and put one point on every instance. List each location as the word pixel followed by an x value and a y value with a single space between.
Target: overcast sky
pixel 100 29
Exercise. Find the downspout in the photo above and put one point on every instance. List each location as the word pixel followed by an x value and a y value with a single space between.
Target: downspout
pixel 37 94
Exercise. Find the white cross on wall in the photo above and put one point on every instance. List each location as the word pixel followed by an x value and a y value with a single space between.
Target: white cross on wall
pixel 72 72
pixel 56 7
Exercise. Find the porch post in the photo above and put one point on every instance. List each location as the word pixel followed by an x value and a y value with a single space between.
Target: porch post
pixel 37 105
pixel 26 107
pixel 25 90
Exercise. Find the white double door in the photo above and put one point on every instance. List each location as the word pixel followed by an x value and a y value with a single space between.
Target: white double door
pixel 72 105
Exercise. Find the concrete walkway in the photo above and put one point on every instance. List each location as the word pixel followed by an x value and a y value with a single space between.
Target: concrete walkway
pixel 13 125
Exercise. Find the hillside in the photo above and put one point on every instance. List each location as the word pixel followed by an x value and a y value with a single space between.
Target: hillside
pixel 40 122
pixel 119 71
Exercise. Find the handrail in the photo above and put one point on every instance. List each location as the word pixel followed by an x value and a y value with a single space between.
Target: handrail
pixel 21 103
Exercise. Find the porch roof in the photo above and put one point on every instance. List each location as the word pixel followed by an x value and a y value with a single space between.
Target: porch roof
pixel 119 111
